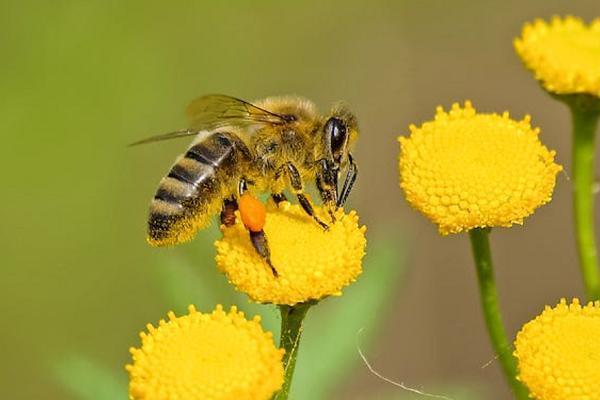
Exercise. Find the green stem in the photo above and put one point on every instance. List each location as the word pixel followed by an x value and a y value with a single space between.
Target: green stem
pixel 291 332
pixel 480 245
pixel 585 121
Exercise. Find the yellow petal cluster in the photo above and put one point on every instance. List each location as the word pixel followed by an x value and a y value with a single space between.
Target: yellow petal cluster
pixel 216 356
pixel 311 262
pixel 465 170
pixel 559 352
pixel 564 54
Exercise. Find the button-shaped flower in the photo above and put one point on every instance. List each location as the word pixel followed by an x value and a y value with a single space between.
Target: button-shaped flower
pixel 466 170
pixel 311 262
pixel 564 54
pixel 559 352
pixel 216 356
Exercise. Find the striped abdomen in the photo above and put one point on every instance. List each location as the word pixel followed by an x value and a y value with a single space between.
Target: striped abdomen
pixel 194 189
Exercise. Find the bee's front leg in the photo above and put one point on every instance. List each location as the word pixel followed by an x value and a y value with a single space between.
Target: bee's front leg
pixel 327 180
pixel 298 189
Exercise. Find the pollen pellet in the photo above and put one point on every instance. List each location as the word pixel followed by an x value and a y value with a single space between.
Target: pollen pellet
pixel 253 212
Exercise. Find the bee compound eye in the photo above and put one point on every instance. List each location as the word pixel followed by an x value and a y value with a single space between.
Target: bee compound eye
pixel 336 130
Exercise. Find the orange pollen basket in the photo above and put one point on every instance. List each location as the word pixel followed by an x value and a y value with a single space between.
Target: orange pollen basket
pixel 253 212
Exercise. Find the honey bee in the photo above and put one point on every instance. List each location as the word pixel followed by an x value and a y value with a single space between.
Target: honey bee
pixel 274 144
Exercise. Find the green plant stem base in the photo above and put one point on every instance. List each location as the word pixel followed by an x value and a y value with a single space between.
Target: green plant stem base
pixel 291 332
pixel 480 245
pixel 585 110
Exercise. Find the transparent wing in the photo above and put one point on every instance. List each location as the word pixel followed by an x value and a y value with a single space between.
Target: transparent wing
pixel 216 110
pixel 166 136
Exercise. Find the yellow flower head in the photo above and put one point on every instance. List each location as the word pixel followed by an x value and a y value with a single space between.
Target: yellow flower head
pixel 311 262
pixel 564 54
pixel 559 352
pixel 465 170
pixel 217 356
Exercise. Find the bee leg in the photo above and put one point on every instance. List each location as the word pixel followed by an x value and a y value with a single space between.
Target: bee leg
pixel 278 197
pixel 261 245
pixel 258 238
pixel 305 203
pixel 328 198
pixel 327 180
pixel 230 206
pixel 297 186
pixel 348 182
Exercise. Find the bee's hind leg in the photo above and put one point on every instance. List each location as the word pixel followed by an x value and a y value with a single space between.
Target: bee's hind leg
pixel 250 211
pixel 261 245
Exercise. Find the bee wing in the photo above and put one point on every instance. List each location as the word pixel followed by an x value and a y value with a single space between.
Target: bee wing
pixel 166 136
pixel 218 110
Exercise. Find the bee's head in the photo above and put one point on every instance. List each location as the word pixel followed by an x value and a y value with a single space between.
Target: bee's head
pixel 340 132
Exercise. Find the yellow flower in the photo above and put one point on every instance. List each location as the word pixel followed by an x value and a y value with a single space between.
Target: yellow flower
pixel 564 55
pixel 311 262
pixel 465 170
pixel 217 356
pixel 559 352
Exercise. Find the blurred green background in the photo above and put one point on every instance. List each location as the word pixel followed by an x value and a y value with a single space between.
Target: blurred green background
pixel 80 80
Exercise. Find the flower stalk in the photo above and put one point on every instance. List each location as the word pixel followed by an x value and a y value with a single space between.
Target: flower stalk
pixel 291 332
pixel 585 122
pixel 480 246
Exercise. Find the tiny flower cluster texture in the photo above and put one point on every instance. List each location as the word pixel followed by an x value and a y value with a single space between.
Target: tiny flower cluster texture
pixel 465 170
pixel 564 54
pixel 311 262
pixel 215 356
pixel 559 352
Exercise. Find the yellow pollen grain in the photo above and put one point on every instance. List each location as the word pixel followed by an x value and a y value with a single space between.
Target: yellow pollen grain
pixel 559 352
pixel 564 54
pixel 465 170
pixel 311 262
pixel 216 356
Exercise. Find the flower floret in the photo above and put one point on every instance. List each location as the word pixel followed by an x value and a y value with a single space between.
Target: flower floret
pixel 311 262
pixel 216 356
pixel 559 352
pixel 466 170
pixel 564 54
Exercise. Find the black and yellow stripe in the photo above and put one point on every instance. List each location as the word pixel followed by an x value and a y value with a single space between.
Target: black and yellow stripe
pixel 194 189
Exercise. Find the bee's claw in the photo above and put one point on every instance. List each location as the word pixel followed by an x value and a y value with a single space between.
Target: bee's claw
pixel 323 224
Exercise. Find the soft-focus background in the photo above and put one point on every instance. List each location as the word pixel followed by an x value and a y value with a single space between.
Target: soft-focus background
pixel 80 80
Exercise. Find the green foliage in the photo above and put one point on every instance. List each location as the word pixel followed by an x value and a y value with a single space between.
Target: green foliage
pixel 86 379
